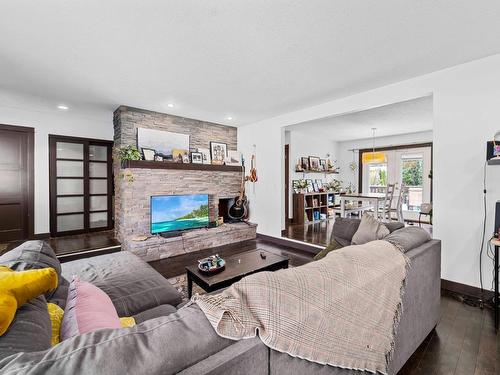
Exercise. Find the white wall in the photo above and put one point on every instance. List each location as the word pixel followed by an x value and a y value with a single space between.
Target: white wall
pixel 266 196
pixel 23 110
pixel 345 156
pixel 466 115
pixel 304 144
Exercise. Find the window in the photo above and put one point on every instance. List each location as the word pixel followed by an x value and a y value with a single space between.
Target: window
pixel 409 166
pixel 412 178
pixel 377 178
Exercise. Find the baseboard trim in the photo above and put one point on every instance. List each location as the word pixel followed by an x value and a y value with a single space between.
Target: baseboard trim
pixel 68 257
pixel 466 290
pixel 294 244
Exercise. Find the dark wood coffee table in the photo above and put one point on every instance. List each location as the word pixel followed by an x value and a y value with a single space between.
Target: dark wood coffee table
pixel 237 267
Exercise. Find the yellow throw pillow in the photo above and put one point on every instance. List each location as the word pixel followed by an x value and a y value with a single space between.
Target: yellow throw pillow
pixel 17 288
pixel 56 315
pixel 127 322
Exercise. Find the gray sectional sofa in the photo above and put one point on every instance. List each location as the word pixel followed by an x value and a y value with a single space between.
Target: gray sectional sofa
pixel 170 341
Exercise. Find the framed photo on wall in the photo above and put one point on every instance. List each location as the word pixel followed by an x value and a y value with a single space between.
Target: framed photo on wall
pixel 218 151
pixel 304 162
pixel 322 164
pixel 314 163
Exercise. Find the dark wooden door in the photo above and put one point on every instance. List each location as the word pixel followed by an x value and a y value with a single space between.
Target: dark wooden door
pixel 287 182
pixel 16 183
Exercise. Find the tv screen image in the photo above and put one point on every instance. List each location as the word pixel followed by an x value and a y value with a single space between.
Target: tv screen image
pixel 178 212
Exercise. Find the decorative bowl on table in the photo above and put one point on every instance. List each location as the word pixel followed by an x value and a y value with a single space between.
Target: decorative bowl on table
pixel 212 264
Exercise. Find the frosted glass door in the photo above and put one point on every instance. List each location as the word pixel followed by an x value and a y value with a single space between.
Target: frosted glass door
pixel 98 186
pixel 81 188
pixel 70 186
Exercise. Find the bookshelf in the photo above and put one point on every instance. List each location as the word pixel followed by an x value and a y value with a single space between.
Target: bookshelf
pixel 313 207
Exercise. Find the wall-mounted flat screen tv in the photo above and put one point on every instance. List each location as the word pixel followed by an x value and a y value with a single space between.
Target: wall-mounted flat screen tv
pixel 171 213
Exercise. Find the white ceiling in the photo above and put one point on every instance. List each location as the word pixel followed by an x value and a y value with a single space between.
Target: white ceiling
pixel 400 118
pixel 250 59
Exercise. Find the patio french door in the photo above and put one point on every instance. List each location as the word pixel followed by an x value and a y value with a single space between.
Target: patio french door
pixel 81 185
pixel 414 169
pixel 409 166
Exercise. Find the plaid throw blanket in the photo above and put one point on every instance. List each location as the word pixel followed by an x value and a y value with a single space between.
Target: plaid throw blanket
pixel 342 310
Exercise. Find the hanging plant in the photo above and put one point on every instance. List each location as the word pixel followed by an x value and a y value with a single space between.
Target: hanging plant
pixel 127 176
pixel 351 188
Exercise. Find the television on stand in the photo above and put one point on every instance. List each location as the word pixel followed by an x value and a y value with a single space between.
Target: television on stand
pixel 172 214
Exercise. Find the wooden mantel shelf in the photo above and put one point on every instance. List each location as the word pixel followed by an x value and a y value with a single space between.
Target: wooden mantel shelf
pixel 146 164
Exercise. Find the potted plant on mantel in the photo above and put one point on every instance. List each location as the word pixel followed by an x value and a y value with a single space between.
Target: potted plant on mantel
pixel 128 153
pixel 125 154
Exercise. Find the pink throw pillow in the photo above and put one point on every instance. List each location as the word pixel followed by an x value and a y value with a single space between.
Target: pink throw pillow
pixel 88 309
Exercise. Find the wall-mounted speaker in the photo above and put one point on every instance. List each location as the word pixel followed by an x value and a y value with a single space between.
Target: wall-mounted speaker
pixel 493 152
pixel 497 217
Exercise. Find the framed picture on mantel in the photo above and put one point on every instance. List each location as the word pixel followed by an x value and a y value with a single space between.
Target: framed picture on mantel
pixel 148 154
pixel 163 142
pixel 196 158
pixel 205 155
pixel 218 152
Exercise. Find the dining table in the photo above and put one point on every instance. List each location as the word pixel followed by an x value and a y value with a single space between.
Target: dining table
pixel 373 200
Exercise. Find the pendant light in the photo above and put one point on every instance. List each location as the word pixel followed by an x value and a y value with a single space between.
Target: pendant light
pixel 373 157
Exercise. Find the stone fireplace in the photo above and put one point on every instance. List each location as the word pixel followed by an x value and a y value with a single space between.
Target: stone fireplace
pixel 136 182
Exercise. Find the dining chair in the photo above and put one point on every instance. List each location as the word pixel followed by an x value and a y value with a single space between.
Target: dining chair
pixel 384 211
pixel 425 209
pixel 398 210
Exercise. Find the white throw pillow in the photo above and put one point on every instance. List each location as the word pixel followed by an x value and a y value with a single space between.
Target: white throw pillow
pixel 370 229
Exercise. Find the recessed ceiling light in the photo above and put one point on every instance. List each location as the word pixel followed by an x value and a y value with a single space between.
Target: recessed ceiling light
pixel 229 118
pixel 62 107
pixel 170 105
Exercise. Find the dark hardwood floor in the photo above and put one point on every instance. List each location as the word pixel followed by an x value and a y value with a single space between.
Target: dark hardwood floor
pixel 318 233
pixel 69 248
pixel 464 342
pixel 315 233
pixel 84 242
